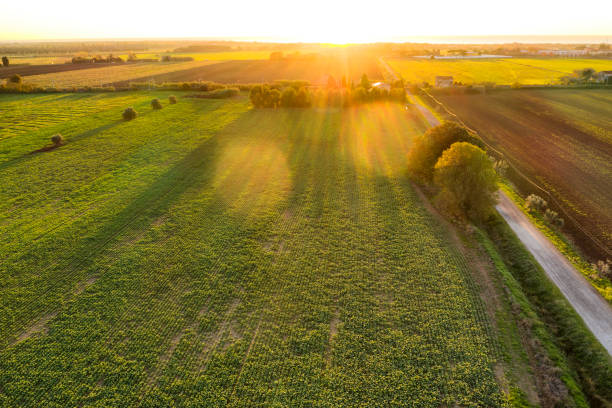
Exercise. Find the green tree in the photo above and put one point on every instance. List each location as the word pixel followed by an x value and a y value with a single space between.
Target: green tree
pixel 302 98
pixel 365 82
pixel 271 98
pixel 427 148
pixel 586 74
pixel 256 96
pixel 467 180
pixel 287 98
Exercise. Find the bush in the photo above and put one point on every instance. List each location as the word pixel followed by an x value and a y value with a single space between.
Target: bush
pixel 603 268
pixel 501 167
pixel 427 148
pixel 5 61
pixel 172 99
pixel 552 217
pixel 467 180
pixel 129 114
pixel 262 96
pixel 57 139
pixel 156 104
pixel 15 79
pixel 535 203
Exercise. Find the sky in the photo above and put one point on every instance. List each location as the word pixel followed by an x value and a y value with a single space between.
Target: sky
pixel 332 21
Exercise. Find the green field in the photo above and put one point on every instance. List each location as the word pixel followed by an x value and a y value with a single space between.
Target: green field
pixel 209 254
pixel 525 71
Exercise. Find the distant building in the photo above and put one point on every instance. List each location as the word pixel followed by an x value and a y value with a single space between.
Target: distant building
pixel 604 76
pixel 444 81
pixel 564 53
pixel 382 85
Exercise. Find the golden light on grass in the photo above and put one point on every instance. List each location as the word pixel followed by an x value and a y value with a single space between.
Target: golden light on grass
pixel 252 176
pixel 376 140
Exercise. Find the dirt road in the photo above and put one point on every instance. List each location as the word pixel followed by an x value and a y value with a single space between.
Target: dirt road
pixel 588 303
pixel 594 310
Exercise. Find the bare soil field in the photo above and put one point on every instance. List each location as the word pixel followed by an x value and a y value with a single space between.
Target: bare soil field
pixel 561 138
pixel 28 70
pixel 316 71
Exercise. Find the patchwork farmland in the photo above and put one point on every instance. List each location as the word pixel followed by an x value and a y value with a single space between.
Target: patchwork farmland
pixel 211 254
pixel 316 70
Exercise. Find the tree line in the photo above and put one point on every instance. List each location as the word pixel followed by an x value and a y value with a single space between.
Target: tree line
pixel 296 94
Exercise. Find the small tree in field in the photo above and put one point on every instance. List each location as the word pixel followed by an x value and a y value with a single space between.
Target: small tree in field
pixel 5 61
pixel 156 104
pixel 129 114
pixel 467 180
pixel 57 140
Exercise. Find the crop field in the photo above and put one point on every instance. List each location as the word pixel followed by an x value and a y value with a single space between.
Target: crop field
pixel 507 71
pixel 212 56
pixel 91 75
pixel 30 70
pixel 316 71
pixel 562 138
pixel 209 254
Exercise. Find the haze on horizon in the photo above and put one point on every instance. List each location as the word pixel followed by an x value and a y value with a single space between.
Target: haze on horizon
pixel 313 21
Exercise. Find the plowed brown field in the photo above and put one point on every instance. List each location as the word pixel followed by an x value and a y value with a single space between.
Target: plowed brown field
pixel 561 138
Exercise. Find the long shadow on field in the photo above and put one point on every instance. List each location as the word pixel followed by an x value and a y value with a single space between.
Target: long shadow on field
pixel 196 167
pixel 29 156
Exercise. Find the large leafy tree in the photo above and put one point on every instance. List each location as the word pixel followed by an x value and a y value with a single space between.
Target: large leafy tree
pixel 467 180
pixel 427 148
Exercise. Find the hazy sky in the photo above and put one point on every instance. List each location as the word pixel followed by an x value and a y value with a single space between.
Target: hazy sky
pixel 313 20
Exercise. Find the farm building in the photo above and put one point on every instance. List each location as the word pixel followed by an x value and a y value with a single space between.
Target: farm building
pixel 444 81
pixel 605 77
pixel 382 85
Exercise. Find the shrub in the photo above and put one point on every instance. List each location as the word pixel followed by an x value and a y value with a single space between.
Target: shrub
pixel 535 203
pixel 262 96
pixel 129 114
pixel 57 139
pixel 172 99
pixel 427 148
pixel 501 167
pixel 156 104
pixel 15 79
pixel 467 180
pixel 552 217
pixel 5 61
pixel 603 268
